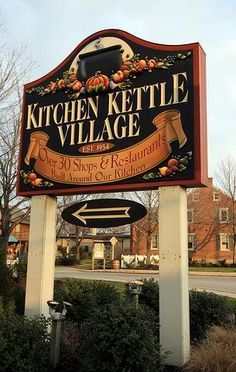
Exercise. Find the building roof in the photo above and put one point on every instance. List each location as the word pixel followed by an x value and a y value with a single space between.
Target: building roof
pixel 12 239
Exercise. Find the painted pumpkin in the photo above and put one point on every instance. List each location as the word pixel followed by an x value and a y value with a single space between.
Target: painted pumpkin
pixel 77 85
pixel 127 65
pixel 97 83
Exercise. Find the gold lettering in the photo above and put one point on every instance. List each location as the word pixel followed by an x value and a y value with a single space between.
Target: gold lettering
pixel 72 134
pixel 139 97
pixel 163 95
pixel 126 94
pixel 48 112
pixel 91 132
pixel 62 135
pixel 179 86
pixel 55 114
pixel 106 129
pixel 112 104
pixel 31 117
pixel 93 105
pixel 71 111
pixel 152 94
pixel 80 135
pixel 40 120
pixel 133 124
pixel 81 109
pixel 116 127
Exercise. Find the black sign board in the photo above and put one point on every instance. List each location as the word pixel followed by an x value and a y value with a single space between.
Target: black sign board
pixel 119 113
pixel 104 213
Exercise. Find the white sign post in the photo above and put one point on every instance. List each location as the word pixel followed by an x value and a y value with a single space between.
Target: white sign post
pixel 173 274
pixel 113 241
pixel 41 256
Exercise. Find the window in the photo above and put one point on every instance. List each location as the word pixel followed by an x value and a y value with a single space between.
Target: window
pixel 190 215
pixel 224 215
pixel 216 196
pixel 224 242
pixel 195 197
pixel 192 242
pixel 154 242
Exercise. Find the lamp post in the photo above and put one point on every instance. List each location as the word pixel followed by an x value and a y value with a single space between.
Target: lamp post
pixel 135 288
pixel 57 317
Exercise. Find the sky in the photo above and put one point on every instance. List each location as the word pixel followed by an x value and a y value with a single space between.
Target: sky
pixel 51 29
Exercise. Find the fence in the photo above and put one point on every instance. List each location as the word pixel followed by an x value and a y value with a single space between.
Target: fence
pixel 136 260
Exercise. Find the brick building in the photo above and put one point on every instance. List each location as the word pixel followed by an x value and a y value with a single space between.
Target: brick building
pixel 210 227
pixel 210 224
pixel 21 232
pixel 20 239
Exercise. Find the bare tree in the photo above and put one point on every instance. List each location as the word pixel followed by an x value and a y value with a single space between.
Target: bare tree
pixel 148 225
pixel 12 209
pixel 64 228
pixel 226 179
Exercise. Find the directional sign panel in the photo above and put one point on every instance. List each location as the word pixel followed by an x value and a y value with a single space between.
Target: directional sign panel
pixel 104 213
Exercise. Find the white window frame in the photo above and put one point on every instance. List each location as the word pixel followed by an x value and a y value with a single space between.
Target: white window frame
pixel 214 196
pixel 195 197
pixel 224 241
pixel 154 246
pixel 192 239
pixel 221 211
pixel 191 213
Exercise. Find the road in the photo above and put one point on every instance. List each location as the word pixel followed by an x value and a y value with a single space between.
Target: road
pixel 221 285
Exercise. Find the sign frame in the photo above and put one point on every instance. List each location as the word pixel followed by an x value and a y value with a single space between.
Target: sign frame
pixel 199 112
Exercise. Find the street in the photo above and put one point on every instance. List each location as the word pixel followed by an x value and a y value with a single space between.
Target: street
pixel 221 285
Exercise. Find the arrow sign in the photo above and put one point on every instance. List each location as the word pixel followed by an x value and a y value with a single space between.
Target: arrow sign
pixel 104 213
pixel 115 212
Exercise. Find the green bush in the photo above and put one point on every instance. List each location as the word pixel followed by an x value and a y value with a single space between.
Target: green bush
pixel 85 253
pixel 86 296
pixel 150 295
pixel 70 347
pixel 6 283
pixel 206 310
pixel 121 337
pixel 24 343
pixel 67 260
pixel 19 300
pixel 194 263
pixel 20 269
pixel 106 333
pixel 216 264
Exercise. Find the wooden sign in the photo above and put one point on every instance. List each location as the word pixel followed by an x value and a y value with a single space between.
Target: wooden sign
pixel 98 251
pixel 113 240
pixel 104 213
pixel 119 113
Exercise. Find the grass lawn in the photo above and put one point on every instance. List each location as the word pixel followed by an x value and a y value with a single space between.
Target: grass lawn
pixel 232 303
pixel 86 264
pixel 214 269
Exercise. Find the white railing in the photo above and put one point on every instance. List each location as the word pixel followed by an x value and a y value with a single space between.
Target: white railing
pixel 136 259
